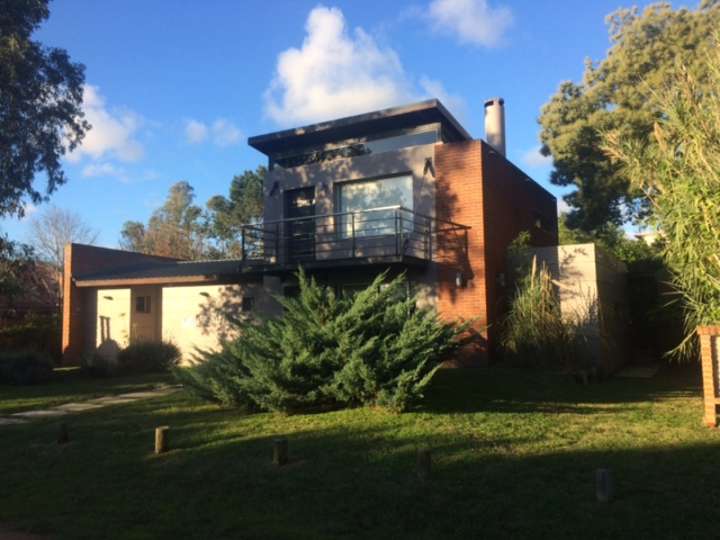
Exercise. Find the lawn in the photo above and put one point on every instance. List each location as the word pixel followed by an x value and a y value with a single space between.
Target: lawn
pixel 71 384
pixel 514 454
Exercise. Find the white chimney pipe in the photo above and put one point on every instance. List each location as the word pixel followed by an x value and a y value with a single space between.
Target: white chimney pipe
pixel 495 123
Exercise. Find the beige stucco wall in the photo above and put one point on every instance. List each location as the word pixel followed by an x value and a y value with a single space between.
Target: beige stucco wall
pixel 193 315
pixel 146 326
pixel 112 330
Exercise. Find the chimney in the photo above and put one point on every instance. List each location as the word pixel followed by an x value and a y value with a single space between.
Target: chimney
pixel 495 123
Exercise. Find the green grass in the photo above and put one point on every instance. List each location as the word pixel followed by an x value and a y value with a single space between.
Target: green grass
pixel 70 384
pixel 514 454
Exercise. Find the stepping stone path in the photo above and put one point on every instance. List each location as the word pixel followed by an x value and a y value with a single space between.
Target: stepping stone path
pixel 89 405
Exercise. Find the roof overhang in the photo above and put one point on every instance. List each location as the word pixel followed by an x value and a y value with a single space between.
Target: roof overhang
pixel 137 282
pixel 406 116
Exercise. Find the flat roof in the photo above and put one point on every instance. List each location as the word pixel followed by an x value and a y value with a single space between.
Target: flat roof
pixel 405 116
pixel 162 272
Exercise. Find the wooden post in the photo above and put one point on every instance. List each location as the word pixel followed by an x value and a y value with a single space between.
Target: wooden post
pixel 424 464
pixel 280 452
pixel 63 434
pixel 161 439
pixel 709 360
pixel 603 485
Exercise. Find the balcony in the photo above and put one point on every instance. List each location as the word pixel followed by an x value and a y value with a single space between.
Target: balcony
pixel 388 235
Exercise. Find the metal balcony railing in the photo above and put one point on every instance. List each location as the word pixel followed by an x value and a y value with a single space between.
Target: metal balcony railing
pixel 388 233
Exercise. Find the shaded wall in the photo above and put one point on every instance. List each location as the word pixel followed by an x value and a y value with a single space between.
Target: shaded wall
pixel 81 259
pixel 478 187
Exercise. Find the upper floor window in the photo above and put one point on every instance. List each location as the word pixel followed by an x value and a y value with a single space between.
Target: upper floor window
pixel 363 205
pixel 361 147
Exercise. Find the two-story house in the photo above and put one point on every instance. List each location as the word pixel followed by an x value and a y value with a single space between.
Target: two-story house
pixel 405 189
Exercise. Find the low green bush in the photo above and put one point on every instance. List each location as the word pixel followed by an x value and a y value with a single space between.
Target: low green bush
pixel 36 333
pixel 96 365
pixel 25 367
pixel 327 351
pixel 148 357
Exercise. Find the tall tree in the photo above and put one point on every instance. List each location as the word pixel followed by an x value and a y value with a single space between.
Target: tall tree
pixel 40 106
pixel 244 204
pixel 678 171
pixel 56 227
pixel 176 229
pixel 618 92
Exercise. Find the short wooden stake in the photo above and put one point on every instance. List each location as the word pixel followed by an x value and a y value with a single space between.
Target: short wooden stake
pixel 280 452
pixel 161 439
pixel 63 434
pixel 603 485
pixel 424 464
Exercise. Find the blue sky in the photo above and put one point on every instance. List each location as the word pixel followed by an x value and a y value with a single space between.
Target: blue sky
pixel 176 87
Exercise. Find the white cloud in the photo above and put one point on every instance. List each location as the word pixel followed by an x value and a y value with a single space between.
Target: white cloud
pixel 533 158
pixel 104 169
pixel 471 21
pixel 334 73
pixel 562 206
pixel 453 102
pixel 225 133
pixel 195 132
pixel 112 133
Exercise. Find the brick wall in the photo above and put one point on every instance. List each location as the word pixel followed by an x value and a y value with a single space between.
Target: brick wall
pixel 513 203
pixel 459 198
pixel 79 260
pixel 478 187
pixel 710 360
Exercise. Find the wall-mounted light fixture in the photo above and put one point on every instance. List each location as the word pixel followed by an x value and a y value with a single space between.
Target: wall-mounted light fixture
pixel 460 281
pixel 429 167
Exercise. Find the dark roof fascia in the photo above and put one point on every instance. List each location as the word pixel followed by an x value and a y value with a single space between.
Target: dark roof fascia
pixel 414 114
pixel 157 273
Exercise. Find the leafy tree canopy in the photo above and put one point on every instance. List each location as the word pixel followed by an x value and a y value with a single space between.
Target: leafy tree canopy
pixel 244 204
pixel 618 92
pixel 176 229
pixel 40 106
pixel 678 171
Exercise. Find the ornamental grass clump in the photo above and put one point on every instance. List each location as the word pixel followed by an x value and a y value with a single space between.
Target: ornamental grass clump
pixel 327 351
pixel 533 331
pixel 679 173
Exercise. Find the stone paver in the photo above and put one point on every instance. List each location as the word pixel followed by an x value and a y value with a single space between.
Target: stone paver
pixel 42 413
pixel 10 422
pixel 79 407
pixel 89 405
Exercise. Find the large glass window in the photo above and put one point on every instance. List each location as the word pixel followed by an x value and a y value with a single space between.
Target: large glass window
pixel 373 145
pixel 363 205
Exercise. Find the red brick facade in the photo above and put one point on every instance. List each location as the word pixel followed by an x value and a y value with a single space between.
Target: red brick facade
pixel 710 358
pixel 81 259
pixel 478 187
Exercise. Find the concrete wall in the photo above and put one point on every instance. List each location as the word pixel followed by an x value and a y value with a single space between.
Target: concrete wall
pixel 326 177
pixel 112 324
pixel 407 160
pixel 193 316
